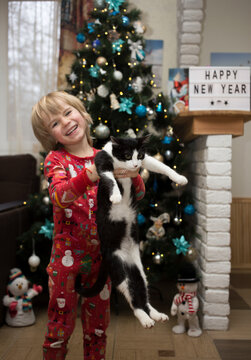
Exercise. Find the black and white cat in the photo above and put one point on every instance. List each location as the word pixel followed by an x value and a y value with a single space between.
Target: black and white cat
pixel 117 225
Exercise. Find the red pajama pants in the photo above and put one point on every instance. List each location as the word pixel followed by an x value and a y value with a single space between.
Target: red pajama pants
pixel 66 262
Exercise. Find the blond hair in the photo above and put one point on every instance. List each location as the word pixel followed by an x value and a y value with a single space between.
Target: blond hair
pixel 49 104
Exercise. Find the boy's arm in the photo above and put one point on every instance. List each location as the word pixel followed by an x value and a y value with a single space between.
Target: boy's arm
pixel 63 191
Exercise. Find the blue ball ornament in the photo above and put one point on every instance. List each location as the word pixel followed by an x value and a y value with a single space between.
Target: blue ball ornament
pixel 167 140
pixel 80 38
pixel 96 43
pixel 189 209
pixel 141 219
pixel 141 110
pixel 125 20
pixel 140 55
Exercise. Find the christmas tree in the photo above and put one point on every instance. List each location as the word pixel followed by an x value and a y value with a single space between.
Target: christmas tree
pixel 34 246
pixel 118 90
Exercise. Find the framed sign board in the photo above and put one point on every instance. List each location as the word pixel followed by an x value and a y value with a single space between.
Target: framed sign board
pixel 219 88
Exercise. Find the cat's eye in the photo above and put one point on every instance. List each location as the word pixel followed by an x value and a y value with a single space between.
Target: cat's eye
pixel 140 156
pixel 128 156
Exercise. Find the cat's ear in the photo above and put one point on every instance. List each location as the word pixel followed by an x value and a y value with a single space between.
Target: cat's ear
pixel 145 139
pixel 114 141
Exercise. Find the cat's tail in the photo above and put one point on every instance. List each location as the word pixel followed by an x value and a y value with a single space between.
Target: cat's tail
pixel 98 285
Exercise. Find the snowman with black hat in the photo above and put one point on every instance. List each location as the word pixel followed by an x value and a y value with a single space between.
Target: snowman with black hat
pixel 185 304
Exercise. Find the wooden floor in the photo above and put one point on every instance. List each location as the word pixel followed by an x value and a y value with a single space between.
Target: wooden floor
pixel 127 340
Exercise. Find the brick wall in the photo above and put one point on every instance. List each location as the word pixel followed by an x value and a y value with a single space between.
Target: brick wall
pixel 211 182
pixel 189 19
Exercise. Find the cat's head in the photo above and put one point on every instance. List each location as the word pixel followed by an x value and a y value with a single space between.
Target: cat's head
pixel 129 152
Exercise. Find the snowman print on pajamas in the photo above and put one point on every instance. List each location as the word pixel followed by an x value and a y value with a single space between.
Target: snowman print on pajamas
pixel 67 260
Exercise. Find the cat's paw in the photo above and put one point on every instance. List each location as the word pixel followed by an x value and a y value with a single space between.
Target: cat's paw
pixel 115 198
pixel 157 316
pixel 181 180
pixel 144 319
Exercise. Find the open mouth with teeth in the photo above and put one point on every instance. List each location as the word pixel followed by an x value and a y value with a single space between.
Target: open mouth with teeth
pixel 71 130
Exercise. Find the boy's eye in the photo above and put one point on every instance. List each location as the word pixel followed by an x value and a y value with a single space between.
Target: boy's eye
pixel 68 112
pixel 128 156
pixel 54 124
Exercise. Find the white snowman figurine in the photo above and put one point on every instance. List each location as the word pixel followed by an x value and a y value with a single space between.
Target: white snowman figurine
pixel 18 300
pixel 185 304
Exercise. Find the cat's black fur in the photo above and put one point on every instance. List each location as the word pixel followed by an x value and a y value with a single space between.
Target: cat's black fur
pixel 117 229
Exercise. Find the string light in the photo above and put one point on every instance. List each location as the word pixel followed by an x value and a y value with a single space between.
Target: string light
pixel 118 130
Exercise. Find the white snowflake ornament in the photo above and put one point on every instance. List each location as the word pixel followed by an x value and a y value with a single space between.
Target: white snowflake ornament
pixel 73 77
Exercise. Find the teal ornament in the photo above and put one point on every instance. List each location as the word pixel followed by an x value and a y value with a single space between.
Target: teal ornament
pixel 167 140
pixel 114 4
pixel 126 105
pixel 189 209
pixel 47 229
pixel 140 55
pixel 159 108
pixel 116 45
pixel 125 20
pixel 141 110
pixel 96 43
pixel 181 245
pixel 94 71
pixel 141 219
pixel 90 27
pixel 80 38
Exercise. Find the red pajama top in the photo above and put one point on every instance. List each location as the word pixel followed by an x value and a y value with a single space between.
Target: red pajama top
pixel 74 197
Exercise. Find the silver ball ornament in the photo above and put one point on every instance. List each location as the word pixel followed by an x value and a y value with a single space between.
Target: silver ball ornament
pixel 102 131
pixel 102 91
pixel 168 154
pixel 46 200
pixel 118 75
pixel 33 261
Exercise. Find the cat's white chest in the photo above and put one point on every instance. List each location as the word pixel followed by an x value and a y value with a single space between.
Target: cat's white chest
pixel 123 210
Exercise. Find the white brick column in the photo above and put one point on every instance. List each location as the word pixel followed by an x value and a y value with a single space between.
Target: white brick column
pixel 190 16
pixel 211 181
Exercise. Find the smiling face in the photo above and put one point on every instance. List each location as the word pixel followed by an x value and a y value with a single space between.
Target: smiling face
pixel 68 126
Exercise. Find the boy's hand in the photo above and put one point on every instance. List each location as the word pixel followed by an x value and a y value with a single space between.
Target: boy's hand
pixel 124 173
pixel 92 173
